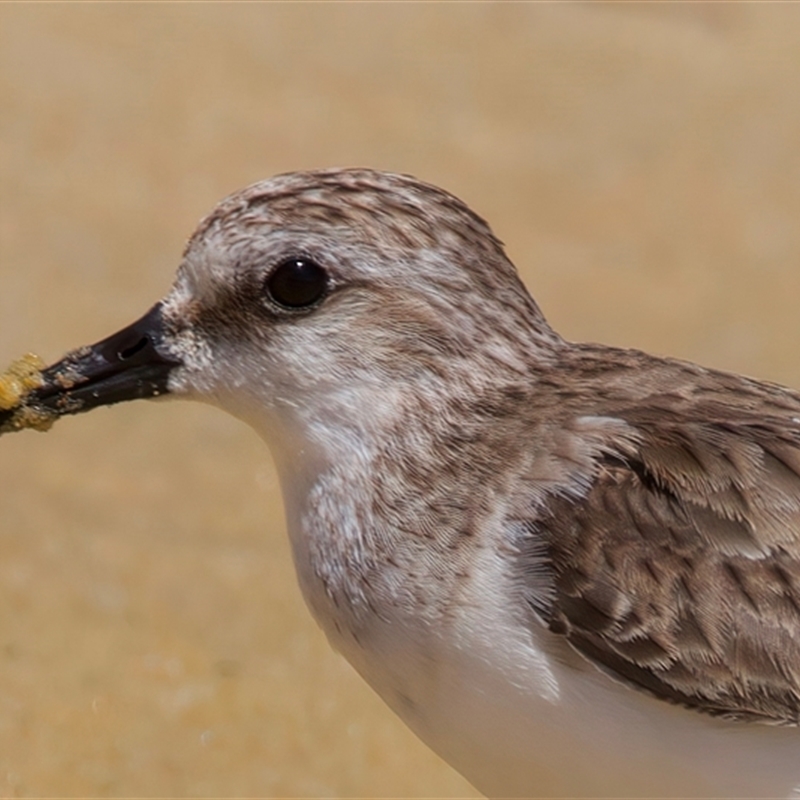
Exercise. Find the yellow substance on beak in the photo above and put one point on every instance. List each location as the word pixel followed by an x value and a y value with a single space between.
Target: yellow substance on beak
pixel 24 375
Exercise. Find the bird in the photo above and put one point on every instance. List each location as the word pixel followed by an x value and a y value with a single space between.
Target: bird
pixel 572 570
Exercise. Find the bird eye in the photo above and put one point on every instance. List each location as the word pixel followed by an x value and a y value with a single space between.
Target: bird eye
pixel 297 282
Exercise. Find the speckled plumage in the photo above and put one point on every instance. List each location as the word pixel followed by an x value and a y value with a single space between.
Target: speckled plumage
pixel 547 557
pixel 679 569
pixel 641 512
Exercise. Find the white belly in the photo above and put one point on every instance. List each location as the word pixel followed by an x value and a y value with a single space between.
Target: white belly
pixel 516 721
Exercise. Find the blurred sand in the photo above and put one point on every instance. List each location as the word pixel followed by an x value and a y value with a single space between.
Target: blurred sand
pixel 641 161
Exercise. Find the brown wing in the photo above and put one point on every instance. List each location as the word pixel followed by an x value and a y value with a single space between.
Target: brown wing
pixel 679 571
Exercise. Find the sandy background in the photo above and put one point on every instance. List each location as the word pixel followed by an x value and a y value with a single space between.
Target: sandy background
pixel 641 162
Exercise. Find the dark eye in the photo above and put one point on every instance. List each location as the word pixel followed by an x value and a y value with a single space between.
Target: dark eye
pixel 297 282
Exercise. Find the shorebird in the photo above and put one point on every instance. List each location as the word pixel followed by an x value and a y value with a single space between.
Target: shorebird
pixel 571 569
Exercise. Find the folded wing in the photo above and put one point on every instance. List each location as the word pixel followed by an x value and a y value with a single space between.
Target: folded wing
pixel 679 570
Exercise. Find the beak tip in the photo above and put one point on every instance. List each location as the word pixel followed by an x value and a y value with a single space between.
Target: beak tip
pixel 17 383
pixel 22 377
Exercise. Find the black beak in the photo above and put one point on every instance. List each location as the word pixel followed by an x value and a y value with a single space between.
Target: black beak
pixel 129 365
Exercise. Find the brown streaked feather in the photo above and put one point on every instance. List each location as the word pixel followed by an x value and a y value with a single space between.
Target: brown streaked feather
pixel 679 570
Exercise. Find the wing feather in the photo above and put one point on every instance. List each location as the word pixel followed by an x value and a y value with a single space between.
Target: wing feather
pixel 679 570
